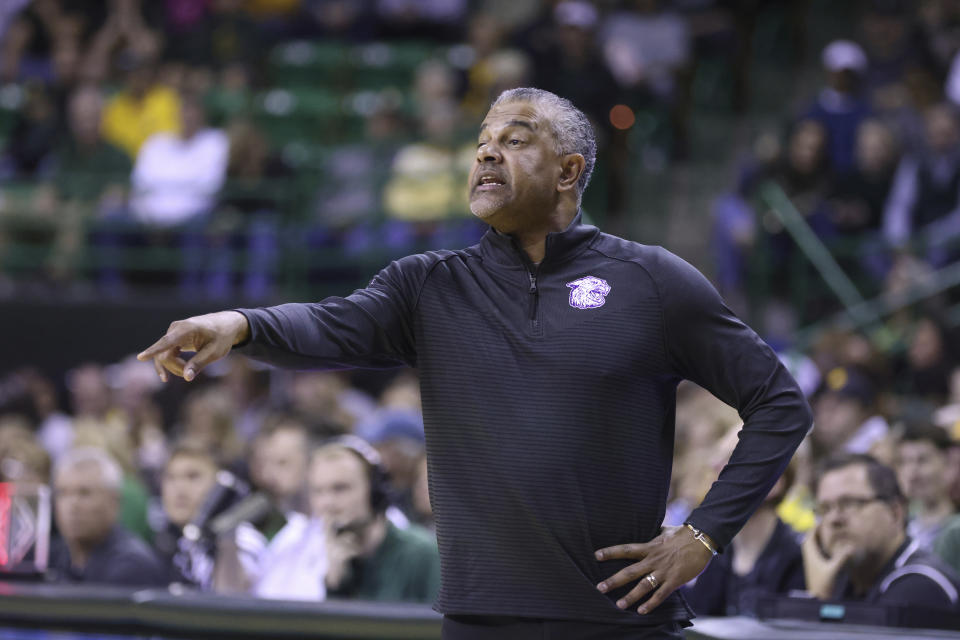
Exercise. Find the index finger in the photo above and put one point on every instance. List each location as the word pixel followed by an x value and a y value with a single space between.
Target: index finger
pixel 629 551
pixel 162 344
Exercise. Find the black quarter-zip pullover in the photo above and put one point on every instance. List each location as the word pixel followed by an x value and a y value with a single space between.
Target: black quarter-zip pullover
pixel 549 395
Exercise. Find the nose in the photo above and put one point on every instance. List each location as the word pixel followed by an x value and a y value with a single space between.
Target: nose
pixel 488 152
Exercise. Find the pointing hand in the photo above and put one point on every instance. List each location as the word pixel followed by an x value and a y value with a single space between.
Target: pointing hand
pixel 210 336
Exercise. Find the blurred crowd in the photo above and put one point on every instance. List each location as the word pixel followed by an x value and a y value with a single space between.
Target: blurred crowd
pixel 870 161
pixel 199 143
pixel 203 143
pixel 313 485
pixel 282 485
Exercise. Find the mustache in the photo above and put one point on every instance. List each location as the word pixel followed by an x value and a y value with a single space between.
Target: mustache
pixel 488 172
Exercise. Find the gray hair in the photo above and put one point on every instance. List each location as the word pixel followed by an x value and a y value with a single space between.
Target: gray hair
pixel 572 131
pixel 110 472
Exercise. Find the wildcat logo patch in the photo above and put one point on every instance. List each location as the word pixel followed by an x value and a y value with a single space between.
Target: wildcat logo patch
pixel 588 292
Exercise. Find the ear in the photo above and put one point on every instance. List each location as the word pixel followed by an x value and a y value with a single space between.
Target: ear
pixel 571 168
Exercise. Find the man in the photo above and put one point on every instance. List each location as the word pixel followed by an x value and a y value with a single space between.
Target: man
pixel 924 203
pixel 925 476
pixel 95 548
pixel 278 468
pixel 176 177
pixel 840 105
pixel 859 549
pixel 845 413
pixel 188 477
pixel 549 355
pixel 278 462
pixel 368 557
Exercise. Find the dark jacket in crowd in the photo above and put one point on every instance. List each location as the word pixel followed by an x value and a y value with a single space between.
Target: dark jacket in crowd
pixel 912 577
pixel 122 559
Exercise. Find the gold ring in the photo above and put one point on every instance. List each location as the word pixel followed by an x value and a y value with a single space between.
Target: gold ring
pixel 652 579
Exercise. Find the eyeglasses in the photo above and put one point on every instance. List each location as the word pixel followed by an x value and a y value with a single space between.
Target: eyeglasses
pixel 846 504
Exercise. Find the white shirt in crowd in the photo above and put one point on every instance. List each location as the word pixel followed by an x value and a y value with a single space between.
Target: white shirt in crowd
pixel 175 179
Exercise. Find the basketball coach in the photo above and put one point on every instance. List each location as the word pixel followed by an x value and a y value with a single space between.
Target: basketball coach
pixel 549 356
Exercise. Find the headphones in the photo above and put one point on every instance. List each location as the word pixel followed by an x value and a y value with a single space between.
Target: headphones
pixel 380 489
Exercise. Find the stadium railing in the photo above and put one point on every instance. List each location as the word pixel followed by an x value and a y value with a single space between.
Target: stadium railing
pixel 123 613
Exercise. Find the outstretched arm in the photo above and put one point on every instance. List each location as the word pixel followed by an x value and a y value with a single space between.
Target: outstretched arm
pixel 372 327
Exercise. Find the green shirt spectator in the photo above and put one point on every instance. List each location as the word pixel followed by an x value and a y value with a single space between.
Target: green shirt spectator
pixel 405 567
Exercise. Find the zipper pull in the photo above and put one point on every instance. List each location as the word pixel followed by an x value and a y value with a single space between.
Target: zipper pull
pixel 533 282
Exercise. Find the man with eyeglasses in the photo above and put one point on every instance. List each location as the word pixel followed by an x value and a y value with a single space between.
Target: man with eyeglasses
pixel 859 549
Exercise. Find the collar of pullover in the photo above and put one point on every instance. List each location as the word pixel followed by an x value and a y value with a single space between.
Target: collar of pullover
pixel 504 249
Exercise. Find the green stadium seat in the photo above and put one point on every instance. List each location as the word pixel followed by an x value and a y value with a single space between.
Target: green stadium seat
pixel 225 105
pixel 309 63
pixel 380 64
pixel 290 115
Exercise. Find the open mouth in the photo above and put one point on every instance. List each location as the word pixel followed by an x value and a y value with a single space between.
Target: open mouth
pixel 489 182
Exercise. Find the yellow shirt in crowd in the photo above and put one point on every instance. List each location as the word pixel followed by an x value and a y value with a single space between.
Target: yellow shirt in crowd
pixel 127 123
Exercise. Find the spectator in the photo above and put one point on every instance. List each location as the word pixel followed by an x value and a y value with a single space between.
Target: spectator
pixel 425 19
pixel 924 370
pixel 492 68
pixel 89 169
pixel 897 62
pixel 763 559
pixel 211 33
pixel 572 66
pixel 278 465
pixel 30 39
pixel 114 438
pixel 208 419
pixel 95 547
pixel 844 413
pixel 426 178
pixel 648 49
pixel 859 550
pixel 802 171
pixel 357 172
pixel 22 459
pixel 90 395
pixel 858 195
pixel 35 134
pixel 176 177
pixel 248 387
pixel 54 427
pixel 925 477
pixel 368 556
pixel 141 109
pixel 327 402
pixel 188 478
pixel 256 556
pixel 840 106
pixel 925 201
pixel 397 436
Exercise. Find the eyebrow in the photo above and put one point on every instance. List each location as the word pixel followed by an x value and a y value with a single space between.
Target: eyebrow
pixel 514 123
